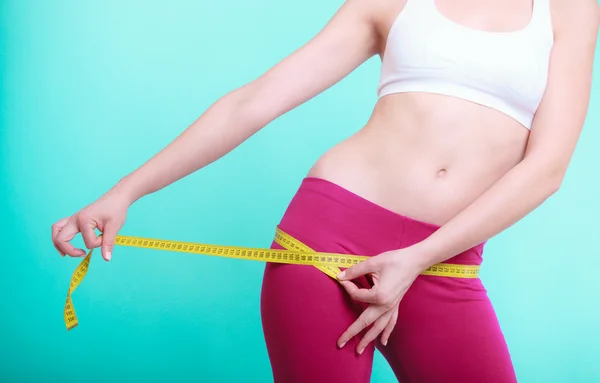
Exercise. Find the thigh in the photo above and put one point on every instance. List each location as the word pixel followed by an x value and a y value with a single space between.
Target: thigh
pixel 303 314
pixel 447 331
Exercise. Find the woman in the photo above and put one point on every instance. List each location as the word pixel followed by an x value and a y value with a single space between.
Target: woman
pixel 480 107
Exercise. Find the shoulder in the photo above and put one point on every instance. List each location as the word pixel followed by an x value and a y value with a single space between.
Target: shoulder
pixel 379 15
pixel 575 17
pixel 373 15
pixel 374 9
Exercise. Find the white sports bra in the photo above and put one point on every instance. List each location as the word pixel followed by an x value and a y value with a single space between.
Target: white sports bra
pixel 506 71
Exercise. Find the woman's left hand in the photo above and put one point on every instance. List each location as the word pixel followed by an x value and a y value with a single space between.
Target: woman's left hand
pixel 392 272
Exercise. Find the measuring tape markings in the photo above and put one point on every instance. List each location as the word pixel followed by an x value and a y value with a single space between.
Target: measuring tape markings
pixel 296 253
pixel 290 243
pixel 439 269
pixel 294 256
pixel 78 275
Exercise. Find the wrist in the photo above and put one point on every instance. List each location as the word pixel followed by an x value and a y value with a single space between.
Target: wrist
pixel 125 191
pixel 424 254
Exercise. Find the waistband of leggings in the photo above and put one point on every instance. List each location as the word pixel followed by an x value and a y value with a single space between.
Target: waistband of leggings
pixel 414 230
pixel 350 198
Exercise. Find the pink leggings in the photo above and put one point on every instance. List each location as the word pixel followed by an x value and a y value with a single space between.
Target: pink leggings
pixel 447 330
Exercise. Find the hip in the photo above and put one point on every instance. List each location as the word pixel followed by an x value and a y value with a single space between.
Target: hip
pixel 330 218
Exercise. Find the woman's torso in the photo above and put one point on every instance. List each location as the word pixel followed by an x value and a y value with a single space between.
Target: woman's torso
pixel 427 155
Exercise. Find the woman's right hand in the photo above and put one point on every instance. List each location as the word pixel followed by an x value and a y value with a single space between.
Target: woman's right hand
pixel 107 214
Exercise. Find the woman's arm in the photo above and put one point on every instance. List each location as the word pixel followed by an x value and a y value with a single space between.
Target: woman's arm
pixel 345 42
pixel 554 134
pixel 348 40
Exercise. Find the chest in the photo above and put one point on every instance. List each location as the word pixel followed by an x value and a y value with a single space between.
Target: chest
pixel 486 15
pixel 431 45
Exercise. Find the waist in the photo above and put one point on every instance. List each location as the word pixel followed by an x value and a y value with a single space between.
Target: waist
pixel 424 162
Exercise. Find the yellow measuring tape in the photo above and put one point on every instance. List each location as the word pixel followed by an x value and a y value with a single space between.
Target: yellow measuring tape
pixel 296 253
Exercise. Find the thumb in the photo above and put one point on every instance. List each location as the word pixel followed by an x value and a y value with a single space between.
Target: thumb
pixel 108 240
pixel 360 269
pixel 89 235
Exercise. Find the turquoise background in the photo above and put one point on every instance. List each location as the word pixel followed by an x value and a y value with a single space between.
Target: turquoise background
pixel 91 89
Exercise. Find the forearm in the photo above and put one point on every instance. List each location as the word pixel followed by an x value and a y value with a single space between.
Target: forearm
pixel 225 125
pixel 516 194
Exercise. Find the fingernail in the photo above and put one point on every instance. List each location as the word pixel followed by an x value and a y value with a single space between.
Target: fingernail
pixel 341 275
pixel 360 351
pixel 342 345
pixel 384 342
pixel 108 255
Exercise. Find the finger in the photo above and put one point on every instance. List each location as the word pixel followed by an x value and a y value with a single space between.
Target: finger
pixel 385 335
pixel 365 267
pixel 68 232
pixel 62 253
pixel 108 240
pixel 364 320
pixel 358 294
pixel 87 227
pixel 378 326
pixel 56 228
pixel 61 223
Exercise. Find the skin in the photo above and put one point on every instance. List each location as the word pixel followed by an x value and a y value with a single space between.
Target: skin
pixel 473 170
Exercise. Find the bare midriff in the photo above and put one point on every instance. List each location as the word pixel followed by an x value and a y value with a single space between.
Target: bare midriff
pixel 425 156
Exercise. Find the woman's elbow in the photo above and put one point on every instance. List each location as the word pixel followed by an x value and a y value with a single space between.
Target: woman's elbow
pixel 555 183
pixel 553 179
pixel 548 175
pixel 251 106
